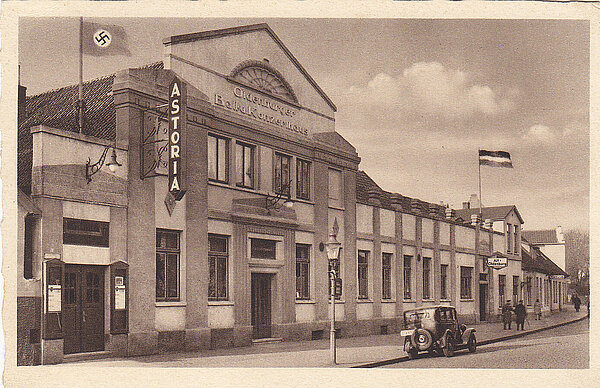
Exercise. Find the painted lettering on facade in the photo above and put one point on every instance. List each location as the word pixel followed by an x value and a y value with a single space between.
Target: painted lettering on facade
pixel 176 139
pixel 260 108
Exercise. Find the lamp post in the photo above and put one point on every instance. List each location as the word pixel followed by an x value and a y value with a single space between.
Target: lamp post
pixel 333 247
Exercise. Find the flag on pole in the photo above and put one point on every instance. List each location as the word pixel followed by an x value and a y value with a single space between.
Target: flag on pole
pixel 104 39
pixel 495 159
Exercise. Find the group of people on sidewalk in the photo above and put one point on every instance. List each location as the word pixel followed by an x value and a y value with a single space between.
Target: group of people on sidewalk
pixel 520 314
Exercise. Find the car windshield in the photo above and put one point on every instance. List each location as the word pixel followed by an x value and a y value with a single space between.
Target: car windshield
pixel 411 317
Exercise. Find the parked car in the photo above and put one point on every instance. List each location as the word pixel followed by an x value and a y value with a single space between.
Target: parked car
pixel 436 329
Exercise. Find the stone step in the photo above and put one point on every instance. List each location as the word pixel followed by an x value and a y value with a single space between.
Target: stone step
pixel 260 341
pixel 87 356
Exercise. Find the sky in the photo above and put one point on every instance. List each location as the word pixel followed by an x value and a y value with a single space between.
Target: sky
pixel 416 97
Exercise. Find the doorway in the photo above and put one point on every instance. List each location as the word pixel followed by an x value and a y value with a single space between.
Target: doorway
pixel 261 305
pixel 483 287
pixel 83 308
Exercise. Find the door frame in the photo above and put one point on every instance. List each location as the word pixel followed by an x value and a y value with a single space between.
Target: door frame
pixel 261 278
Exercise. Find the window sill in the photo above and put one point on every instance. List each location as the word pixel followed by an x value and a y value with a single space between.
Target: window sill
pixel 220 303
pixel 428 300
pixel 305 301
pixel 467 300
pixel 444 300
pixel 175 303
pixel 336 207
pixel 388 300
pixel 409 301
pixel 364 301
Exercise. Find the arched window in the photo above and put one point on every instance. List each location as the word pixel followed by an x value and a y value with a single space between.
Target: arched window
pixel 262 76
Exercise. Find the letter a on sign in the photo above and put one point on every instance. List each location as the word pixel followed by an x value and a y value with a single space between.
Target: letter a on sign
pixel 177 138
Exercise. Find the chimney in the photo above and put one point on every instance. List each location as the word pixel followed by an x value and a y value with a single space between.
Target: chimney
pixel 450 213
pixel 559 234
pixel 22 104
pixel 466 205
pixel 474 201
pixel 415 207
pixel 373 195
pixel 474 219
pixel 488 224
pixel 433 210
pixel 396 200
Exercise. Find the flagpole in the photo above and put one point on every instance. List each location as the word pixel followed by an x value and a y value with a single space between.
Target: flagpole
pixel 480 200
pixel 80 100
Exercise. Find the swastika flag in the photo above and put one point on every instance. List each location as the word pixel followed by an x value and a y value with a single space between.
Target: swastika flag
pixel 104 39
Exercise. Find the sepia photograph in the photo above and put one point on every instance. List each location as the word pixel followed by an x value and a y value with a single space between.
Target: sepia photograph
pixel 300 192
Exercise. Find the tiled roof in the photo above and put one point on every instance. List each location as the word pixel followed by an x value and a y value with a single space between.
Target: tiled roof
pixel 541 263
pixel 58 109
pixel 336 140
pixel 492 212
pixel 540 236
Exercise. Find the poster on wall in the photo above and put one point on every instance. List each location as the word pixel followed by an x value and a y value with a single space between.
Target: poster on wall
pixel 54 298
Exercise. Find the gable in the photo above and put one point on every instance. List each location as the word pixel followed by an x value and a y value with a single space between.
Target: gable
pixel 212 62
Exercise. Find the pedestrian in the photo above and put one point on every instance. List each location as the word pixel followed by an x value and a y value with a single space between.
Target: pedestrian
pixel 520 313
pixel 537 309
pixel 507 314
pixel 576 302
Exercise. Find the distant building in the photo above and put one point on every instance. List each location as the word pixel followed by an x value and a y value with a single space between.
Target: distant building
pixel 551 242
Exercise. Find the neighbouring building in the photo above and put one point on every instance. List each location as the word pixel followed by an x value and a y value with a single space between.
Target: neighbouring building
pixel 551 242
pixel 180 240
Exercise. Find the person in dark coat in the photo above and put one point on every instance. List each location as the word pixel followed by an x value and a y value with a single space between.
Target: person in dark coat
pixel 576 302
pixel 507 314
pixel 520 313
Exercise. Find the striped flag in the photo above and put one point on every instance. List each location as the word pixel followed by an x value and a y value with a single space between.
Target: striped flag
pixel 495 159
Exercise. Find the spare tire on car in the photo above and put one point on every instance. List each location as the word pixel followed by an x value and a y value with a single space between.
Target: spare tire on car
pixel 422 339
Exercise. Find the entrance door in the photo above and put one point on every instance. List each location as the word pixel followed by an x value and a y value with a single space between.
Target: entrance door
pixel 261 305
pixel 83 308
pixel 483 301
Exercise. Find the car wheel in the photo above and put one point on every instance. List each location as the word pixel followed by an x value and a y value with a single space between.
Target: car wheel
pixel 422 339
pixel 412 353
pixel 449 349
pixel 472 344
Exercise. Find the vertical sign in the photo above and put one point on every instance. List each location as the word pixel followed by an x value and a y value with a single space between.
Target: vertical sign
pixel 177 118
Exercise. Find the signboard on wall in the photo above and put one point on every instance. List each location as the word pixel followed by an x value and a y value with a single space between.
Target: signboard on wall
pixel 177 136
pixel 497 262
pixel 54 298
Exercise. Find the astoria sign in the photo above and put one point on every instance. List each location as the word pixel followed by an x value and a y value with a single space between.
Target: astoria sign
pixel 176 109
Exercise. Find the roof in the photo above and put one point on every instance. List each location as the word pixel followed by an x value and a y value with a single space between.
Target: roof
pixel 27 204
pixel 493 213
pixel 58 109
pixel 540 236
pixel 539 263
pixel 335 139
pixel 246 29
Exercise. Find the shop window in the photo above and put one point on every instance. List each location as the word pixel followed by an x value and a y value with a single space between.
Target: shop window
pixel 501 289
pixel 386 275
pixel 302 271
pixel 515 290
pixel 244 160
pixel 302 179
pixel 281 174
pixel 444 281
pixel 217 267
pixel 363 274
pixel 407 276
pixel 85 232
pixel 167 265
pixel 28 247
pixel 426 278
pixel 466 281
pixel 263 249
pixel 218 159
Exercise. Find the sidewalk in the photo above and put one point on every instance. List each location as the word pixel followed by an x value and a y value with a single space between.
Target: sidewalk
pixel 351 352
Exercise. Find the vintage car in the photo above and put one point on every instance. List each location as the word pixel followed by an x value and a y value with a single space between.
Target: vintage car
pixel 436 329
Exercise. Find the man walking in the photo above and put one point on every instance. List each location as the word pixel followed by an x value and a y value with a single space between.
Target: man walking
pixel 507 314
pixel 521 313
pixel 576 302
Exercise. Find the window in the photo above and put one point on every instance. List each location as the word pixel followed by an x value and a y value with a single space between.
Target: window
pixel 167 265
pixel 444 281
pixel 515 288
pixel 302 179
pixel 28 247
pixel 302 271
pixel 509 238
pixel 466 280
pixel 528 284
pixel 426 278
pixel 407 275
pixel 218 159
pixel 386 275
pixel 217 267
pixel 363 273
pixel 516 241
pixel 85 232
pixel 263 249
pixel 244 161
pixel 335 186
pixel 501 289
pixel 281 172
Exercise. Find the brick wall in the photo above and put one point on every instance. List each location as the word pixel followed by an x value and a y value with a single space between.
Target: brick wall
pixel 28 330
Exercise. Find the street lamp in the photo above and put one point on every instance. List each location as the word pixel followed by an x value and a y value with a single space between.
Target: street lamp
pixel 333 247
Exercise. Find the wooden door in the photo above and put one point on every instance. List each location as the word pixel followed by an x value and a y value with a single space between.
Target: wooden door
pixel 261 305
pixel 483 301
pixel 83 308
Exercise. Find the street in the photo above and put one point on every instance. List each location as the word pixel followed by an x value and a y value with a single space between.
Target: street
pixel 565 347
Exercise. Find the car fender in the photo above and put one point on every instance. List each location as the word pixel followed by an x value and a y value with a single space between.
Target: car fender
pixel 467 334
pixel 407 344
pixel 444 338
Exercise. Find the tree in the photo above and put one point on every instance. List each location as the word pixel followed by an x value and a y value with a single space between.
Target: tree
pixel 577 252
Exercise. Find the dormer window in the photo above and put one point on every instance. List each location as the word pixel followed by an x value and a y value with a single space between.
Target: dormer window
pixel 262 76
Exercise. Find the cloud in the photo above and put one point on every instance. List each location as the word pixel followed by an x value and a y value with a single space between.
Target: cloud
pixel 428 89
pixel 539 132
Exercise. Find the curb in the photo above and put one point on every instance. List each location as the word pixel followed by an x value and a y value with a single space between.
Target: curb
pixel 479 343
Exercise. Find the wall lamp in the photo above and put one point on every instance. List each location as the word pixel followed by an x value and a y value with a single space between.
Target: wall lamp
pixel 113 164
pixel 283 194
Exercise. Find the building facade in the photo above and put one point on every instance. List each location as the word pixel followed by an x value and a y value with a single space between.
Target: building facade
pixel 188 244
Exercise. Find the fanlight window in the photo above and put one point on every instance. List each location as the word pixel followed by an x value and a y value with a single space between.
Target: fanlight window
pixel 263 77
